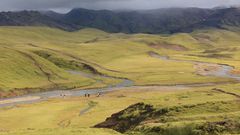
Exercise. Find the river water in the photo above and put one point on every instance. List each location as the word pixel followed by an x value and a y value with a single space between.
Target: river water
pixel 222 71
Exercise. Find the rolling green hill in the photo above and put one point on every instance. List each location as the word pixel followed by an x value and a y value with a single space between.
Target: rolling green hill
pixel 182 83
pixel 38 57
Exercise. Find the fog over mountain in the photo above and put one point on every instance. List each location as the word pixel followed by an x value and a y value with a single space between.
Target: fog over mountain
pixel 66 5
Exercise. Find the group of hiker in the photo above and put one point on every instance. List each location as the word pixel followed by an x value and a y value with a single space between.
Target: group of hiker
pixel 88 95
pixel 85 95
pixel 62 95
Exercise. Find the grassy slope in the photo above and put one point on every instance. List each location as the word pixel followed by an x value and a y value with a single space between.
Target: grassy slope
pixel 119 54
pixel 58 115
pixel 22 69
pixel 113 54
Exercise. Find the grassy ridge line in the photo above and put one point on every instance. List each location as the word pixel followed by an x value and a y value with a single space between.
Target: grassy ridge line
pixel 76 58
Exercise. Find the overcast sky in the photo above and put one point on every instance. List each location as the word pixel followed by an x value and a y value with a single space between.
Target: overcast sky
pixel 65 5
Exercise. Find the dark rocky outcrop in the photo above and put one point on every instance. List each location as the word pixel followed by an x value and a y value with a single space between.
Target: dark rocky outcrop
pixel 128 118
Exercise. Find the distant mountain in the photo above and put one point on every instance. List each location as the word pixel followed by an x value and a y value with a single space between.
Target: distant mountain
pixel 150 21
pixel 170 20
pixel 229 16
pixel 31 18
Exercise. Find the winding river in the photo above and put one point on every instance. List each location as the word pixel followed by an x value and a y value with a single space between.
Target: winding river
pixel 219 70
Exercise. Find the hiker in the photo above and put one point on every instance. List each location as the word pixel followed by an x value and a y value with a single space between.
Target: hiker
pixel 62 95
pixel 86 95
pixel 99 94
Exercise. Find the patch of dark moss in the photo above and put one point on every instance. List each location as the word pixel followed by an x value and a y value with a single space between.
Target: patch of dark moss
pixel 215 128
pixel 207 128
pixel 158 130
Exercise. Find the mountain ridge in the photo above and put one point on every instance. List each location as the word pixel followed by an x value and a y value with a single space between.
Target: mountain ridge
pixel 158 21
